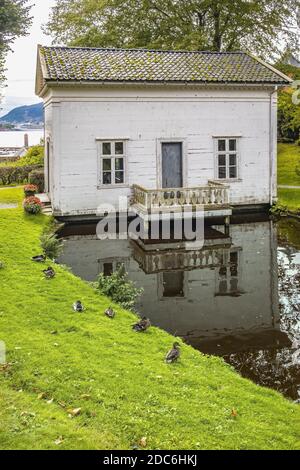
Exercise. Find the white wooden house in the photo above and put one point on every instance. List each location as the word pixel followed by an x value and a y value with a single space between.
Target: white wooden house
pixel 164 129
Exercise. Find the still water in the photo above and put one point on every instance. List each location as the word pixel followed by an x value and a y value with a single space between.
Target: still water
pixel 16 138
pixel 237 298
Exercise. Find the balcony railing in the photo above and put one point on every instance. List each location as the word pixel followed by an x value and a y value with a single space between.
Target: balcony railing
pixel 213 195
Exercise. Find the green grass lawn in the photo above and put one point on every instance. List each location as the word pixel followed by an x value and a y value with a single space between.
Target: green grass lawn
pixel 288 158
pixel 290 198
pixel 59 361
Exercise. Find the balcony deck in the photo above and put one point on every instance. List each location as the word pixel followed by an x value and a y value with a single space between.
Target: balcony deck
pixel 213 199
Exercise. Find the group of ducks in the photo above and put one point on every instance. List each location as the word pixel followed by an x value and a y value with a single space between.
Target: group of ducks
pixel 140 327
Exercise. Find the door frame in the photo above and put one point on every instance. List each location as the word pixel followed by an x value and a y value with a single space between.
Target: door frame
pixel 172 140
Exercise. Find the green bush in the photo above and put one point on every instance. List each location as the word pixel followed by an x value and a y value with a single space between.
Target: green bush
pixel 15 175
pixel 52 246
pixel 119 289
pixel 37 177
pixel 34 156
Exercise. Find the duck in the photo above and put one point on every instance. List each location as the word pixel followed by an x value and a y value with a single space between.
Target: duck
pixel 142 325
pixel 110 313
pixel 174 354
pixel 39 259
pixel 49 273
pixel 78 307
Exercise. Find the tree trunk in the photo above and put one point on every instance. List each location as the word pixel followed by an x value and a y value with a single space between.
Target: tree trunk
pixel 217 40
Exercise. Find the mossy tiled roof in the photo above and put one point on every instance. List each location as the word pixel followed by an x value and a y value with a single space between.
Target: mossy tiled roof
pixel 137 65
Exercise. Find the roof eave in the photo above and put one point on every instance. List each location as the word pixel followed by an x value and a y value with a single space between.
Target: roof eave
pixel 50 83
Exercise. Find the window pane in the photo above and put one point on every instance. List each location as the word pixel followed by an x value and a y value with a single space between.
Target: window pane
pixel 233 172
pixel 232 160
pixel 119 177
pixel 119 164
pixel 232 145
pixel 222 145
pixel 108 269
pixel 106 148
pixel 222 160
pixel 173 284
pixel 119 148
pixel 107 164
pixel 106 177
pixel 222 172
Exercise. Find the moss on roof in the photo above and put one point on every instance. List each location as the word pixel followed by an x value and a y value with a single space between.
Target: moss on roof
pixel 138 65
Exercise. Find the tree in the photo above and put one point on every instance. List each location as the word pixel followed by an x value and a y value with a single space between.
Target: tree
pixel 14 22
pixel 288 111
pixel 259 26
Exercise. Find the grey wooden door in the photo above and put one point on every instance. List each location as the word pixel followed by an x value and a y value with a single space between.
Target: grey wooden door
pixel 172 165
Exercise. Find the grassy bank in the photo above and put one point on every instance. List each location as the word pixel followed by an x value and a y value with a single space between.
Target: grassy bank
pixel 60 361
pixel 288 160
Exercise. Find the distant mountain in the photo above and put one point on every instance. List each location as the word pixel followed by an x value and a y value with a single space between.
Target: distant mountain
pixel 33 114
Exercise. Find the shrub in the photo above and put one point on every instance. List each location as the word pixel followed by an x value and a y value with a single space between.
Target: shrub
pixel 52 246
pixel 30 190
pixel 34 156
pixel 37 177
pixel 32 205
pixel 15 175
pixel 119 289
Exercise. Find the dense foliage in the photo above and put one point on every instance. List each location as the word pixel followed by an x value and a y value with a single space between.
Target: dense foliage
pixel 14 22
pixel 288 112
pixel 34 156
pixel 259 26
pixel 37 177
pixel 119 289
pixel 15 174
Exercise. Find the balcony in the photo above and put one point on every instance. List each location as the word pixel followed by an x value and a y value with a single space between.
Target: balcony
pixel 213 198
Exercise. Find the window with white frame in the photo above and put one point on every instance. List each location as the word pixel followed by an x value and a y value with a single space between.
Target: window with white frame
pixel 112 165
pixel 227 158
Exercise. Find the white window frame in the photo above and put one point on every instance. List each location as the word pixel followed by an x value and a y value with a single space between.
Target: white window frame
pixel 227 154
pixel 112 157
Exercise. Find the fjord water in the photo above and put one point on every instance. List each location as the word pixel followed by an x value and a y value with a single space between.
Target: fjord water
pixel 16 138
pixel 237 298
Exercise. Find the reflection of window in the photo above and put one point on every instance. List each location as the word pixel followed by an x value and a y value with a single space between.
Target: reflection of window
pixel 108 269
pixel 112 155
pixel 110 266
pixel 229 275
pixel 173 284
pixel 227 158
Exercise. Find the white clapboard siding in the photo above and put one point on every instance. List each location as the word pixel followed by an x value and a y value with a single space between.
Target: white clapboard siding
pixel 77 116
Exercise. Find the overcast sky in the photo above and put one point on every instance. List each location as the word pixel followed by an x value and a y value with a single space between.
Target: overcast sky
pixel 21 62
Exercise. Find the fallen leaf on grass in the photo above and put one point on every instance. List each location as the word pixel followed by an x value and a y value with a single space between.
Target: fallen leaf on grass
pixel 234 413
pixel 143 442
pixel 75 412
pixel 59 441
pixel 85 397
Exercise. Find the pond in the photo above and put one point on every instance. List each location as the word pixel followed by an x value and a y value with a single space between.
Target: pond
pixel 237 298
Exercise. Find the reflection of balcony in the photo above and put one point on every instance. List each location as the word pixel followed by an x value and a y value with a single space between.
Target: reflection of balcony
pixel 155 257
pixel 214 198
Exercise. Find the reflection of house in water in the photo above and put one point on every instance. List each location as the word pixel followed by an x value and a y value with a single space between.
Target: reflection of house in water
pixel 226 290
